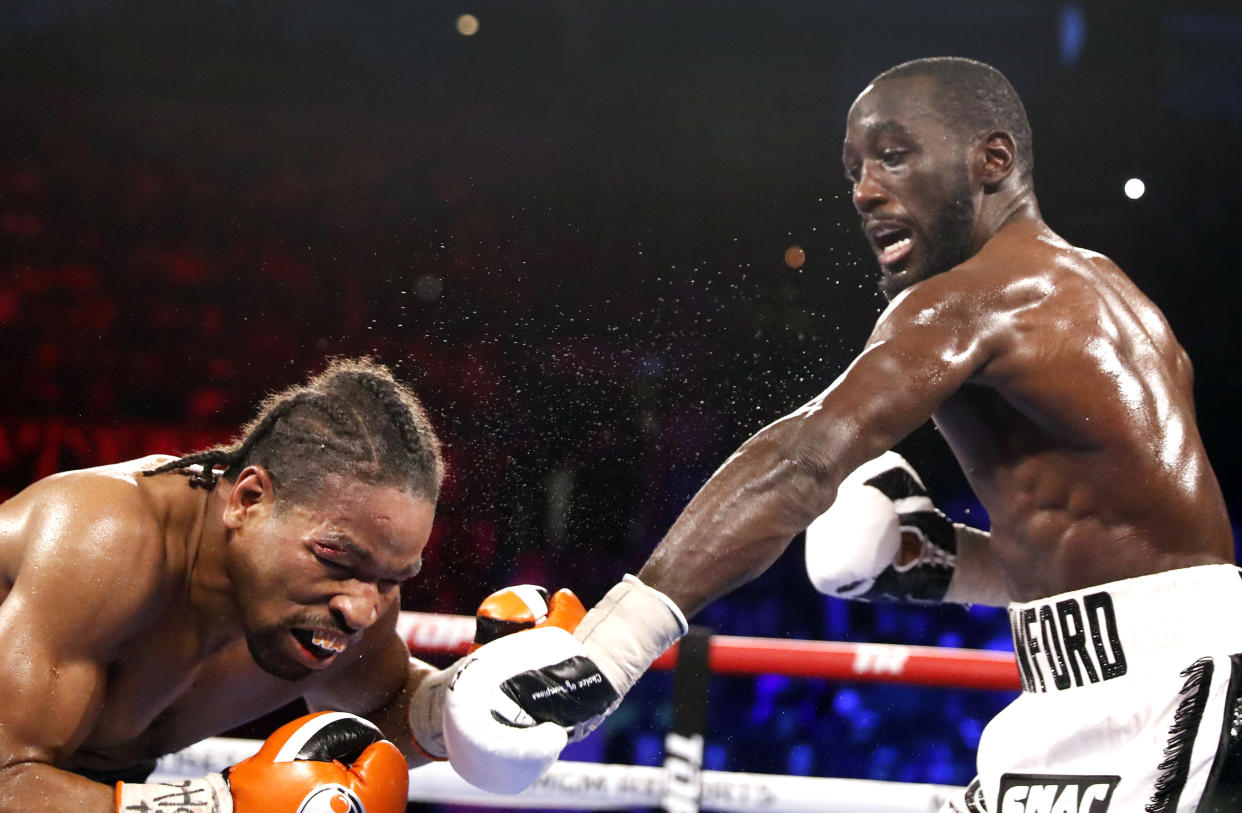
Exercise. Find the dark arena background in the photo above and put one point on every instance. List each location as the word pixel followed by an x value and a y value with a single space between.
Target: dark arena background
pixel 566 224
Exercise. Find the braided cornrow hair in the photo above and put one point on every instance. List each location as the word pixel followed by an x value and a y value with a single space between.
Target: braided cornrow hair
pixel 353 419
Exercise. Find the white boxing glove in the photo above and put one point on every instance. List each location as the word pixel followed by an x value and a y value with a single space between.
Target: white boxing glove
pixel 884 540
pixel 512 703
pixel 504 612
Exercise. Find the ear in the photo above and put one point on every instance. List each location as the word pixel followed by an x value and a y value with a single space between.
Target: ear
pixel 996 157
pixel 251 495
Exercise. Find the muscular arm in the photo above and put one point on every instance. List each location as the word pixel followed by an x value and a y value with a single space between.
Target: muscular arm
pixel 925 346
pixel 73 601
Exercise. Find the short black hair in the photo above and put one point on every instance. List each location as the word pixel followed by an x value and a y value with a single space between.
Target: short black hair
pixel 973 97
pixel 353 419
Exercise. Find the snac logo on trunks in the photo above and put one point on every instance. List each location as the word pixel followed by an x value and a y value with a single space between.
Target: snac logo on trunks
pixel 1053 793
pixel 1072 642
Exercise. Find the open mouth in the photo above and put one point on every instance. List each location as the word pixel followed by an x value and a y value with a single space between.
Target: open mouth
pixel 320 644
pixel 892 243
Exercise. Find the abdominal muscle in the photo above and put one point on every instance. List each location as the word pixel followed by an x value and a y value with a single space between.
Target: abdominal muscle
pixel 1079 439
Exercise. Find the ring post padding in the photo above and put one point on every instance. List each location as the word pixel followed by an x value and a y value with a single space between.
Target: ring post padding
pixel 683 745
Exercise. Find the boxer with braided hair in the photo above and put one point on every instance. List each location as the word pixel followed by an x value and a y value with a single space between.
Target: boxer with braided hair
pixel 354 420
pixel 142 611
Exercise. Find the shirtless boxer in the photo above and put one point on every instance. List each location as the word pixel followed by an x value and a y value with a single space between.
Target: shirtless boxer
pixel 150 604
pixel 1068 402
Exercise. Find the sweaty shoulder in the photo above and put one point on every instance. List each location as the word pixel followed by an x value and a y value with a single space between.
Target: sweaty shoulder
pixel 93 539
pixel 962 316
pixel 1081 305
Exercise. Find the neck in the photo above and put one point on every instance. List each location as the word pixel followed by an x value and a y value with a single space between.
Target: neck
pixel 211 594
pixel 998 210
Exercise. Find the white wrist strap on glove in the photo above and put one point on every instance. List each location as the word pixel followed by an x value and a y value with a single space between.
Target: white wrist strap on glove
pixel 632 625
pixel 209 795
pixel 427 712
pixel 978 578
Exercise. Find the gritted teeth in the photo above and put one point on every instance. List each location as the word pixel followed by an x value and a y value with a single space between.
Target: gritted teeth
pixel 328 641
pixel 321 643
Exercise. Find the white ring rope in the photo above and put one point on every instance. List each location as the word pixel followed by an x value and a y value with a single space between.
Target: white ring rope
pixel 589 786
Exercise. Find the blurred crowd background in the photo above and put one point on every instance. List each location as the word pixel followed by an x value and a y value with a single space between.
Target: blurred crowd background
pixel 565 225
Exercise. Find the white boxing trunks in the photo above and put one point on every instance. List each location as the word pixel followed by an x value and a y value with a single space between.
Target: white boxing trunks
pixel 1131 701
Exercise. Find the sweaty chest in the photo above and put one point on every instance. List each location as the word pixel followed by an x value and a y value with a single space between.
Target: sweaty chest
pixel 983 431
pixel 161 698
pixel 991 438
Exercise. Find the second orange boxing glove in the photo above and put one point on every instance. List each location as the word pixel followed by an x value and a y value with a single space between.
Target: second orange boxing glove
pixel 522 607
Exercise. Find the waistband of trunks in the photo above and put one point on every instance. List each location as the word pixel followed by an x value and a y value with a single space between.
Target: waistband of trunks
pixel 1126 628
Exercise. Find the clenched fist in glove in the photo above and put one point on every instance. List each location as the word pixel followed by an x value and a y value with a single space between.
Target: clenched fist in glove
pixel 329 762
pixel 515 703
pixel 506 611
pixel 884 540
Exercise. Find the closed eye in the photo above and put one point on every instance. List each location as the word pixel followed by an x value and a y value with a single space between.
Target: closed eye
pixel 330 557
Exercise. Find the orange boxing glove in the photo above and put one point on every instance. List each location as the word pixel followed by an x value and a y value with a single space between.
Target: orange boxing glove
pixel 522 607
pixel 328 762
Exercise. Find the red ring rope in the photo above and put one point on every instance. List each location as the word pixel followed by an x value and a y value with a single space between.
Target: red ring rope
pixel 731 655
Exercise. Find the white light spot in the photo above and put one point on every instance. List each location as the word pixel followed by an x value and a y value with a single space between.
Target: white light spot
pixel 1135 188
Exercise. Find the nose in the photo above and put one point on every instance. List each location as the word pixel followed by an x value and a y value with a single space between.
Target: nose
pixel 868 192
pixel 356 606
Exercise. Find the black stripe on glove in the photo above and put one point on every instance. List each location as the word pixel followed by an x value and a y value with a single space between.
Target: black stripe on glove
pixel 566 693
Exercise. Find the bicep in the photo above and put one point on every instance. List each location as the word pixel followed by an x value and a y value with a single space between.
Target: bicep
pixel 53 688
pixel 84 586
pixel 889 390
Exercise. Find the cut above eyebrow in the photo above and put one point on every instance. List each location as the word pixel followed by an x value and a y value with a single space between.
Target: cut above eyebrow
pixel 364 555
pixel 353 548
